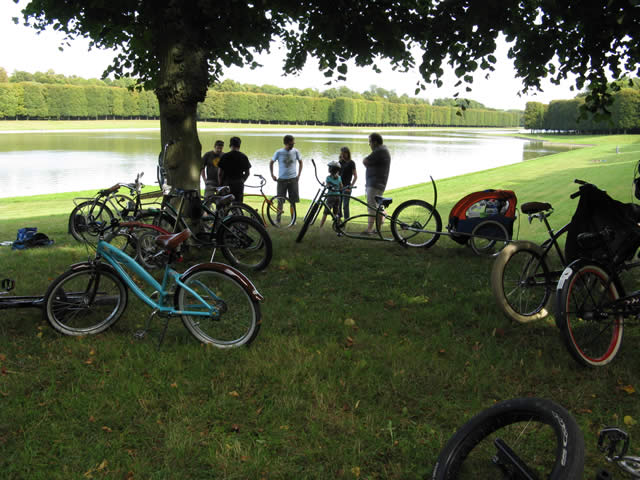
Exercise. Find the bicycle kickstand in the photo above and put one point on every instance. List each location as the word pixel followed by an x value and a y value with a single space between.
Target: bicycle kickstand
pixel 140 334
pixel 213 254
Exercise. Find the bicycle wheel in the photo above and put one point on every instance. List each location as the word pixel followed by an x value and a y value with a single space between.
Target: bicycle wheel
pixel 84 215
pixel 235 208
pixel 148 253
pixel 416 224
pixel 591 329
pixel 245 243
pixel 521 282
pixel 85 300
pixel 488 238
pixel 235 320
pixel 281 212
pixel 122 203
pixel 542 435
pixel 309 218
pixel 122 238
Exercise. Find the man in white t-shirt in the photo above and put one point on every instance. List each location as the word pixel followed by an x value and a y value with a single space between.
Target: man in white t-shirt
pixel 289 169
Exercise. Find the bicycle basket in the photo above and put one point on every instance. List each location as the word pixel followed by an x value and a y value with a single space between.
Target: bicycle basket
pixel 477 207
pixel 596 212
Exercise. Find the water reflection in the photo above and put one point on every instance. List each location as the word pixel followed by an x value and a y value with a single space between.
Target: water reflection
pixel 51 162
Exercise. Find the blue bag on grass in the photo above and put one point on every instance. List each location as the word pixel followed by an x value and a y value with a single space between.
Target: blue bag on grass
pixel 29 237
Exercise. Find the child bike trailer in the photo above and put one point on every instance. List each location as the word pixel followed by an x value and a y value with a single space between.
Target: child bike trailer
pixel 485 217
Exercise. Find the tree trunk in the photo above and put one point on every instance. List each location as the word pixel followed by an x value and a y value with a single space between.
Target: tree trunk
pixel 183 83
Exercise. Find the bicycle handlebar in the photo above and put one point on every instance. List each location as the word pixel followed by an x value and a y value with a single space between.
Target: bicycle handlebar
pixel 581 183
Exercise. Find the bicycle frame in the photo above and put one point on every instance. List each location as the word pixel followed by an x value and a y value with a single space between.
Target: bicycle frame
pixel 116 258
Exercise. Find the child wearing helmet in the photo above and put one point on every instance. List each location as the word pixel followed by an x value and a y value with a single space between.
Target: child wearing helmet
pixel 334 182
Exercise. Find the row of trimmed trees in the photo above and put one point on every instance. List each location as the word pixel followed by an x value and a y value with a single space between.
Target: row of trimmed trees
pixel 63 101
pixel 564 115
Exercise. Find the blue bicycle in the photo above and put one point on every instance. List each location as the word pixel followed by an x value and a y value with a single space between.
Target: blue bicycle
pixel 218 305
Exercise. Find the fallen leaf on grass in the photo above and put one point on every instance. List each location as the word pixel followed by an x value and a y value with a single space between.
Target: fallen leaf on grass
pixel 106 429
pixel 628 388
pixel 628 420
pixel 234 394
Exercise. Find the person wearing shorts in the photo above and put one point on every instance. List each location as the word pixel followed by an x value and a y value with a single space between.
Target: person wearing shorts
pixel 289 169
pixel 377 165
pixel 334 182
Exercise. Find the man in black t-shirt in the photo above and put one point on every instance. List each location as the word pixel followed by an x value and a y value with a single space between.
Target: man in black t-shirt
pixel 233 169
pixel 209 172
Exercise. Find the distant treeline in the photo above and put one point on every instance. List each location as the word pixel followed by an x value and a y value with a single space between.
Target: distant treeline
pixel 564 115
pixel 31 100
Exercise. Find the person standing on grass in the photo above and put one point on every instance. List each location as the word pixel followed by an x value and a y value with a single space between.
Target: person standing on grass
pixel 377 165
pixel 209 172
pixel 349 176
pixel 233 169
pixel 288 159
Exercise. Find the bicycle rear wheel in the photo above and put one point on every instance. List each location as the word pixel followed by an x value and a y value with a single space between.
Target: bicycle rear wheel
pixel 83 218
pixel 281 212
pixel 488 238
pixel 236 317
pixel 244 242
pixel 416 223
pixel 591 329
pixel 541 434
pixel 85 300
pixel 521 282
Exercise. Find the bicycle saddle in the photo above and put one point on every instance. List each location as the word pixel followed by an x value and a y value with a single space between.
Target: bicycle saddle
pixel 171 242
pixel 535 207
pixel 107 191
pixel 384 201
pixel 222 201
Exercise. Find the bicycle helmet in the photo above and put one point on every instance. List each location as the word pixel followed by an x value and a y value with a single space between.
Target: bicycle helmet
pixel 334 167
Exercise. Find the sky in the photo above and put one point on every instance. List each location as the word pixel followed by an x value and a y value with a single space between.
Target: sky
pixel 26 50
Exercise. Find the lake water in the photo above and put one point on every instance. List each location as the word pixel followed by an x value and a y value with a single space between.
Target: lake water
pixel 52 162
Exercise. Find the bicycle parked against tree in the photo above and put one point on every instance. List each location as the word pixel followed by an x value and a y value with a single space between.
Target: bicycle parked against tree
pixel 278 210
pixel 108 204
pixel 243 240
pixel 415 223
pixel 218 305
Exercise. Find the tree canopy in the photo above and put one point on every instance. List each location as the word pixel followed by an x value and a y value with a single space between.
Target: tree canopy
pixel 179 48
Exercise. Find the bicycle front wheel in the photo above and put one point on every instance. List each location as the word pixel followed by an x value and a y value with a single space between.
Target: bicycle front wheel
pixel 85 300
pixel 83 218
pixel 281 212
pixel 591 329
pixel 521 282
pixel 416 223
pixel 309 218
pixel 236 317
pixel 538 433
pixel 245 243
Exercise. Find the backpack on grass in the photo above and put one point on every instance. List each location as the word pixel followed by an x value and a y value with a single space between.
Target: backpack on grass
pixel 28 237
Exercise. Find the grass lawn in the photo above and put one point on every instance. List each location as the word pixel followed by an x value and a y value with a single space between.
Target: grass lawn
pixel 370 355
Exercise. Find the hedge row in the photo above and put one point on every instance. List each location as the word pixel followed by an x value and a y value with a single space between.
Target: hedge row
pixel 36 100
pixel 564 115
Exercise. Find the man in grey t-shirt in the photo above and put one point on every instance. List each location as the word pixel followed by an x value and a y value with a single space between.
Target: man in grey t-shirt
pixel 377 164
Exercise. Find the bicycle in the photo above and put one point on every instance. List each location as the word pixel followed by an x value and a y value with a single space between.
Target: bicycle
pixel 522 276
pixel 13 301
pixel 408 224
pixel 614 443
pixel 278 210
pixel 244 241
pixel 108 204
pixel 592 302
pixel 218 305
pixel 522 438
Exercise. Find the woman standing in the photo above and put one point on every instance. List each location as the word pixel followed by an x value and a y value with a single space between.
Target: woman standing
pixel 349 177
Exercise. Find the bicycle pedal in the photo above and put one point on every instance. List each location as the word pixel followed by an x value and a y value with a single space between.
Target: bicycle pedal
pixel 139 334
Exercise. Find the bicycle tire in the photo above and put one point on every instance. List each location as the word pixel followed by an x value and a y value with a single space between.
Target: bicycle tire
pixel 420 215
pixel 244 242
pixel 123 202
pixel 147 250
pixel 281 204
pixel 485 238
pixel 83 215
pixel 85 300
pixel 308 220
pixel 235 208
pixel 470 452
pixel 519 295
pixel 237 320
pixel 591 331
